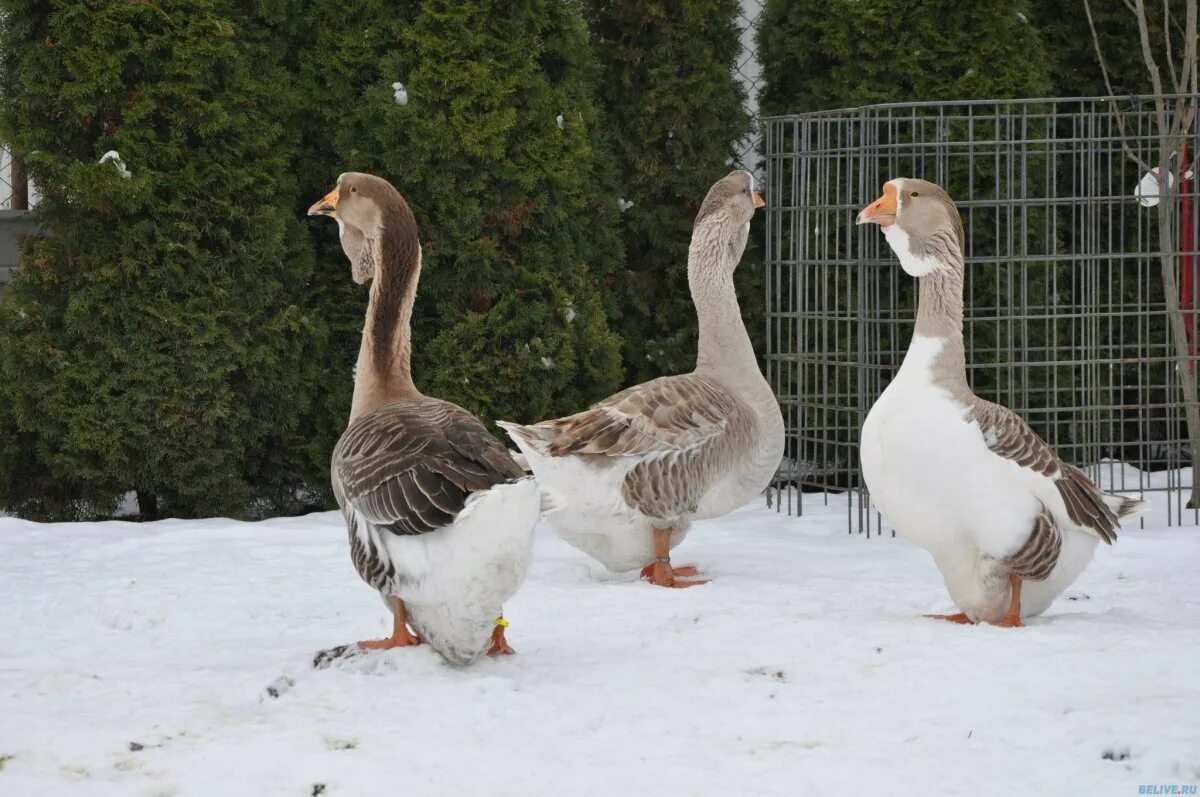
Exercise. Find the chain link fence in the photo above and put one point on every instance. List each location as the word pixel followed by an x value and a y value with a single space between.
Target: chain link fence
pixel 748 72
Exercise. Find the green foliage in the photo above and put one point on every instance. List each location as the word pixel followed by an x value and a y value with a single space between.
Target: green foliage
pixel 158 340
pixel 822 54
pixel 517 209
pixel 1072 52
pixel 674 114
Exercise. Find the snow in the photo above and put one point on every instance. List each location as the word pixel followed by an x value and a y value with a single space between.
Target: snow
pixel 141 660
pixel 400 94
pixel 115 158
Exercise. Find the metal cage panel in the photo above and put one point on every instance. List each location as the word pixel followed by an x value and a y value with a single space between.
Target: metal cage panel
pixel 1066 320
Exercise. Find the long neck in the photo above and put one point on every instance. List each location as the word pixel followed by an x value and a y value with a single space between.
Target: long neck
pixel 940 317
pixel 724 346
pixel 383 372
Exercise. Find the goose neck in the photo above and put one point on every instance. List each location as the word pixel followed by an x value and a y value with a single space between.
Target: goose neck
pixel 723 345
pixel 383 372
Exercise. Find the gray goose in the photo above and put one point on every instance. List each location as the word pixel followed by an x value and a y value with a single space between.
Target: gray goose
pixel 1009 524
pixel 440 517
pixel 625 478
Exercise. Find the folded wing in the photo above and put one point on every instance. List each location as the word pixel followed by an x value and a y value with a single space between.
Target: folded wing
pixel 410 467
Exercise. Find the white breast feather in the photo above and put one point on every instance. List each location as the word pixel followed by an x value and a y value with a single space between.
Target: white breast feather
pixel 913 264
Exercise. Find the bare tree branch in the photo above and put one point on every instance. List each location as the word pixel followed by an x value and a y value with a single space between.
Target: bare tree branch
pixel 1160 103
pixel 1172 124
pixel 1112 101
pixel 1187 68
pixel 1166 4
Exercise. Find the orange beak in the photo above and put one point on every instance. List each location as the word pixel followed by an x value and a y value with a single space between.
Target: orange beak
pixel 759 202
pixel 326 205
pixel 882 211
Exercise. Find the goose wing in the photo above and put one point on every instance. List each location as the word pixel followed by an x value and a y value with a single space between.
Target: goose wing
pixel 409 467
pixel 687 430
pixel 671 414
pixel 1008 436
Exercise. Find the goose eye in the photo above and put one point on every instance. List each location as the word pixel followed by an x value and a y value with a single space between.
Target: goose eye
pixel 913 194
pixel 354 189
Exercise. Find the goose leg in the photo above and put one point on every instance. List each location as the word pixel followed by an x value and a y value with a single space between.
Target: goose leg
pixel 500 646
pixel 661 572
pixel 1013 618
pixel 401 637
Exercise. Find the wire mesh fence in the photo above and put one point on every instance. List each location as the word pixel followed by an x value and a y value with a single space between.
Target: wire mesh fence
pixel 1066 316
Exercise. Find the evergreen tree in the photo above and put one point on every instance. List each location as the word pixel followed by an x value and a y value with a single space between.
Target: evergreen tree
pixel 494 142
pixel 156 339
pixel 675 114
pixel 821 54
pixel 1072 52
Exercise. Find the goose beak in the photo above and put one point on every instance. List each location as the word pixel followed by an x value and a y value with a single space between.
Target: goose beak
pixel 326 205
pixel 882 211
pixel 759 202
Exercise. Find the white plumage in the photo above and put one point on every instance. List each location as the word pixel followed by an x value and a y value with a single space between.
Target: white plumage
pixel 454 581
pixel 933 476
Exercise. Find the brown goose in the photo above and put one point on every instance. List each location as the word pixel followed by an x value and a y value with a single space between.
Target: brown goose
pixel 1009 524
pixel 439 517
pixel 625 478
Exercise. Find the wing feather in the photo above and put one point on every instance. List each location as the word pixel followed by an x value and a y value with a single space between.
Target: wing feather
pixel 1035 560
pixel 410 466
pixel 1008 436
pixel 670 414
pixel 685 429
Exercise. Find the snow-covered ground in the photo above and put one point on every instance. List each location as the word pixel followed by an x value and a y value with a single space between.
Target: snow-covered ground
pixel 176 658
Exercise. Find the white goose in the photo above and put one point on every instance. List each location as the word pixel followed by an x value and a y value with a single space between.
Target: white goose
pixel 1009 524
pixel 625 478
pixel 439 517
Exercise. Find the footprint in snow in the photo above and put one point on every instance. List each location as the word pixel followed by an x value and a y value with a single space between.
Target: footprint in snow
pixel 768 672
pixel 279 686
pixel 342 653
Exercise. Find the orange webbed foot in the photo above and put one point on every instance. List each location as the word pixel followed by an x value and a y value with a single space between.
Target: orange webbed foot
pixel 499 646
pixel 401 637
pixel 682 570
pixel 959 618
pixel 662 575
pixel 396 640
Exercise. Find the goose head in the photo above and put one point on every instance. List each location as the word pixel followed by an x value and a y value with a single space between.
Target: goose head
pixel 921 225
pixel 359 203
pixel 727 210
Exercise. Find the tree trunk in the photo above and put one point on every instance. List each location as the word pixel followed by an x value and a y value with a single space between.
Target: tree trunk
pixel 1168 253
pixel 20 185
pixel 147 505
